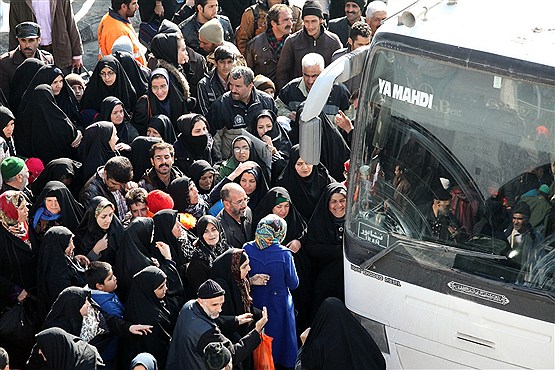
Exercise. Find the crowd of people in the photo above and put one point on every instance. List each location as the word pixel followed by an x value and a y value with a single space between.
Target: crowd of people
pixel 157 213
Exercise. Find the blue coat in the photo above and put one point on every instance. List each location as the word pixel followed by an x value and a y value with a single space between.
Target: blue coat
pixel 276 261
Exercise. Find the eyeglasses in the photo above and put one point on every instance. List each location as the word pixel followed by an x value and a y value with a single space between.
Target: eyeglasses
pixel 242 201
pixel 241 149
pixel 107 74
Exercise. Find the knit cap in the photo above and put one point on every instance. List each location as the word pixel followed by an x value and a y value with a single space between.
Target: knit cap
pixel 11 166
pixel 212 31
pixel 210 289
pixel 158 200
pixel 312 8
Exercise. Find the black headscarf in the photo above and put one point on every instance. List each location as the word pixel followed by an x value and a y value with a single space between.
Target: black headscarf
pixel 157 106
pixel 94 149
pixel 226 271
pixel 296 226
pixel 338 341
pixel 179 191
pixel 189 148
pixel 305 192
pixel 64 351
pixel 56 271
pixel 136 76
pixel 97 90
pixel 164 46
pixel 163 125
pixel 43 130
pixel 261 186
pixel 65 310
pixel 164 221
pixel 6 116
pixel 203 250
pixel 125 132
pixel 24 73
pixel 88 232
pixel 197 170
pixel 57 169
pixel 140 155
pixel 280 139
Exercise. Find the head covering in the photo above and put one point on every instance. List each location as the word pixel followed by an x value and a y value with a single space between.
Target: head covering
pixel 126 133
pixel 210 289
pixel 262 83
pixel 216 356
pixel 27 30
pixel 522 208
pixel 6 116
pixel 361 3
pixel 158 200
pixel 95 149
pixel 123 43
pixel 164 221
pixel 10 201
pixel 312 7
pixel 66 351
pixel 11 166
pixel 35 167
pixel 65 310
pixel 544 189
pixel 71 210
pixel 97 90
pixel 179 191
pixel 197 170
pixel 140 155
pixel 164 46
pixel 226 270
pixel 212 31
pixel 137 77
pixel 73 79
pixel 269 231
pixel 145 359
pixel 160 106
pixel 280 138
pixel 261 186
pixel 189 148
pixel 338 341
pixel 163 125
pixel 202 250
pixel 57 169
pixel 24 74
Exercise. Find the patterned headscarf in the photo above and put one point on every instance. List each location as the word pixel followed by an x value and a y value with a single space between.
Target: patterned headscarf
pixel 270 230
pixel 9 204
pixel 243 284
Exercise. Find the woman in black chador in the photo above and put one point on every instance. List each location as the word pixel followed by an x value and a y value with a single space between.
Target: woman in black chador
pixel 194 142
pixel 65 170
pixel 161 126
pixel 113 110
pixel 98 145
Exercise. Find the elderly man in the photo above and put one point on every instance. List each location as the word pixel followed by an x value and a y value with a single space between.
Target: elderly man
pixel 313 38
pixel 15 176
pixel 196 327
pixel 235 109
pixel 342 26
pixel 376 13
pixel 28 38
pixel 236 217
pixel 162 172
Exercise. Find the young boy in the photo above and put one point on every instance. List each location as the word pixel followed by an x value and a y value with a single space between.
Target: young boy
pixel 102 282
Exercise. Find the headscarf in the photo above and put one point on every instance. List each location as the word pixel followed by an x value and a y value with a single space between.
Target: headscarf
pixel 140 155
pixel 296 226
pixel 280 139
pixel 305 192
pixel 159 106
pixel 338 341
pixel 142 304
pixel 145 359
pixel 231 163
pixel 189 148
pixel 134 73
pixel 65 310
pixel 164 46
pixel 226 268
pixel 94 149
pixel 261 186
pixel 179 191
pixel 24 73
pixel 197 170
pixel 97 90
pixel 269 231
pixel 57 169
pixel 10 201
pixel 6 116
pixel 203 250
pixel 163 125
pixel 67 352
pixel 43 130
pixel 125 135
pixel 164 222
pixel 71 210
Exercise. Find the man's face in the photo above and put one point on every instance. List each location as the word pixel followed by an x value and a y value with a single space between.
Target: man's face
pixel 138 209
pixel 224 66
pixel 162 161
pixel 443 207
pixel 182 55
pixel 112 184
pixel 310 74
pixel 206 45
pixel 237 205
pixel 240 91
pixel 358 42
pixel 131 8
pixel 312 25
pixel 520 222
pixel 352 12
pixel 209 11
pixel 29 46
pixel 212 306
pixel 285 23
pixel 375 20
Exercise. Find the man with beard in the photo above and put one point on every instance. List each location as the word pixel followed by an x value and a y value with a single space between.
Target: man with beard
pixel 342 26
pixel 15 176
pixel 197 326
pixel 443 225
pixel 236 217
pixel 376 13
pixel 162 172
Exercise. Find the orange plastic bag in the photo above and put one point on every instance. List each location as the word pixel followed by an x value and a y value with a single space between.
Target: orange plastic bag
pixel 263 354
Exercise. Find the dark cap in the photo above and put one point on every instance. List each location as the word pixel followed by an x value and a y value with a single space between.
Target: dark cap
pixel 361 3
pixel 216 356
pixel 522 209
pixel 210 289
pixel 312 8
pixel 26 30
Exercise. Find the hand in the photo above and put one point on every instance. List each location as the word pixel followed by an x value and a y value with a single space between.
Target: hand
pixel 131 185
pixel 21 297
pixel 260 323
pixel 343 122
pixel 101 245
pixel 242 167
pixel 155 261
pixel 75 143
pixel 190 3
pixel 123 147
pixel 77 63
pixel 140 329
pixel 294 245
pixel 159 9
pixel 260 279
pixel 292 116
pixel 244 318
pixel 164 250
pixel 83 261
pixel 304 335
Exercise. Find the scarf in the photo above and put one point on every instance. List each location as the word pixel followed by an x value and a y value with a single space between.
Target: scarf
pixel 270 230
pixel 243 284
pixel 44 214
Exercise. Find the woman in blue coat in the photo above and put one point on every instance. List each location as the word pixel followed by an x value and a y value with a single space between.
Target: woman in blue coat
pixel 267 256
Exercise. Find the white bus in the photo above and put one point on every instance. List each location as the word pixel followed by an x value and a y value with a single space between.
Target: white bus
pixel 459 95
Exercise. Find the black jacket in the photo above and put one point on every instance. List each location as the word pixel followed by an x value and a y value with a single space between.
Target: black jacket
pixel 236 234
pixel 151 181
pixel 209 90
pixel 94 187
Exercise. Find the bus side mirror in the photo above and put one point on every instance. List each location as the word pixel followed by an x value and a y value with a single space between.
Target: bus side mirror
pixel 310 142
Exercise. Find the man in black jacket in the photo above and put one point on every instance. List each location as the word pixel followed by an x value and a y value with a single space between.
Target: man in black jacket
pixel 342 26
pixel 236 217
pixel 162 172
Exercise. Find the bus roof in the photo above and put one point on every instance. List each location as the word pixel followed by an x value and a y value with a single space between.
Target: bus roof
pixel 513 28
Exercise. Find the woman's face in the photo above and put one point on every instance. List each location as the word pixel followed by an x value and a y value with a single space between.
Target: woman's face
pixel 241 151
pixel 113 140
pixel 176 230
pixel 108 76
pixel 22 212
pixel 206 180
pixel 160 292
pixel 104 218
pixel 281 210
pixel 199 129
pixel 182 55
pixel 248 182
pixel 85 308
pixel 8 130
pixel 152 132
pixel 117 115
pixel 70 247
pixel 52 205
pixel 159 87
pixel 211 235
pixel 337 205
pixel 57 85
pixel 193 193
pixel 303 169
pixel 245 268
pixel 78 90
pixel 263 125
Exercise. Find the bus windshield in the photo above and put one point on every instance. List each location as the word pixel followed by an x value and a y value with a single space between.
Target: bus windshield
pixel 445 154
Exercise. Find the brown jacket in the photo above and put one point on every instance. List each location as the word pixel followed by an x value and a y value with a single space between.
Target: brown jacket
pixel 261 58
pixel 246 30
pixel 66 39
